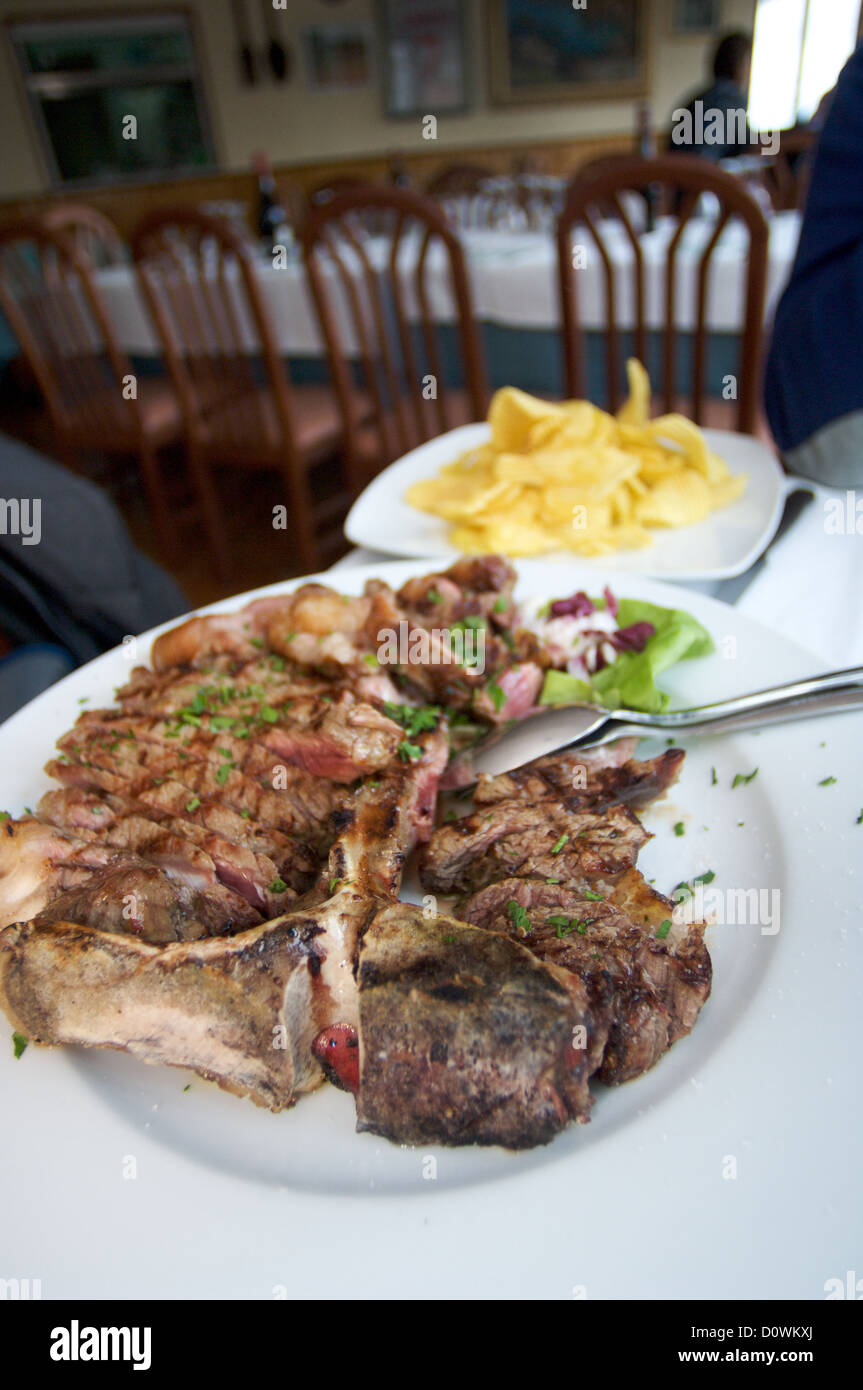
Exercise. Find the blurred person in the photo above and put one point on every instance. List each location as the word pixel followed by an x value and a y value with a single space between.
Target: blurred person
pixel 72 584
pixel 813 390
pixel 713 123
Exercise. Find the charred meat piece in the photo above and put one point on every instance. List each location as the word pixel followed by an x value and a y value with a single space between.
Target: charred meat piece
pixel 647 988
pixel 138 899
pixel 239 634
pixel 549 838
pixel 242 1010
pixel 587 776
pixel 464 1037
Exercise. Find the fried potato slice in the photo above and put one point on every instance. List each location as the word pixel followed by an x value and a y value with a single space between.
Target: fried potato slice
pixel 569 476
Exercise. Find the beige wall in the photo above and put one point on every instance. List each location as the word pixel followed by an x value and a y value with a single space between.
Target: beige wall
pixel 296 124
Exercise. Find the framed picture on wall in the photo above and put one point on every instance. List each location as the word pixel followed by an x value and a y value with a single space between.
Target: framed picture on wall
pixel 423 56
pixel 337 56
pixel 694 16
pixel 547 50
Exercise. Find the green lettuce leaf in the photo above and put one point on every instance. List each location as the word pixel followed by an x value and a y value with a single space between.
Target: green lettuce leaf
pixel 630 681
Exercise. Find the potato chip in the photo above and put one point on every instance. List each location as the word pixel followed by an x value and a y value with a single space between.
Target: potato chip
pixel 569 476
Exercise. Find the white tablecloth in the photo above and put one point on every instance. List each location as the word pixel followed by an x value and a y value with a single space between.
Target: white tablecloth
pixel 514 283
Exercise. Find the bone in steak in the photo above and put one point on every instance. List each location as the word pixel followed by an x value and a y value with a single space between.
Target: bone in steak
pixel 212 884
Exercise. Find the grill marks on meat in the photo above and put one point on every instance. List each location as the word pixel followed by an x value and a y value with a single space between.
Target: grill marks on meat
pixel 464 1037
pixel 544 839
pixel 243 1010
pixel 645 992
pixel 586 908
pixel 608 783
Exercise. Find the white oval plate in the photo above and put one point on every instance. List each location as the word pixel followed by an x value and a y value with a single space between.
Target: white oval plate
pixel 730 1170
pixel 725 544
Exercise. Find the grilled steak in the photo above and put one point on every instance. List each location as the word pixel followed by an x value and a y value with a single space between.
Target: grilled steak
pixel 465 1038
pixel 549 838
pixel 591 777
pixel 212 884
pixel 647 990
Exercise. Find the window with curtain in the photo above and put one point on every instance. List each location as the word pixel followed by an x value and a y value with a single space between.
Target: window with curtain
pixel 84 79
pixel 800 48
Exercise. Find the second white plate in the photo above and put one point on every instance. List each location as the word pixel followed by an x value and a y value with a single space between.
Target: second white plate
pixel 724 545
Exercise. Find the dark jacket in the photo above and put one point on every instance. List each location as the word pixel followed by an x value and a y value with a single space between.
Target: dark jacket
pixel 814 380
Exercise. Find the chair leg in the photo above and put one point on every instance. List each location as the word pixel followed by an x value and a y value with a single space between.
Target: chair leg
pixel 211 511
pixel 301 516
pixel 163 522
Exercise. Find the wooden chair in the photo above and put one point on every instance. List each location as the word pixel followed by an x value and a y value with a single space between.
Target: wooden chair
pixel 94 235
pixel 95 402
pixel 398 358
pixel 240 410
pixel 685 179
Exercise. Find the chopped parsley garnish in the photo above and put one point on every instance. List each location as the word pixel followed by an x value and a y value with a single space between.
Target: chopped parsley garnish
pixel 255 642
pixel 500 605
pixel 433 596
pixel 496 695
pixel 713 778
pixel 409 751
pixel 594 897
pixel 679 828
pixel 193 804
pixel 450 940
pixel 4 815
pixel 19 1043
pixel 564 925
pixel 555 849
pixel 450 816
pixel 245 814
pixel 415 719
pixel 223 773
pixel 663 930
pixel 682 889
pixel 741 778
pixel 370 659
pixel 859 820
pixel 518 915
pixel 278 885
pixel 334 883
pixel 187 1088
pixel 269 715
pixel 552 880
pixel 277 663
pixel 707 877
pixel 827 782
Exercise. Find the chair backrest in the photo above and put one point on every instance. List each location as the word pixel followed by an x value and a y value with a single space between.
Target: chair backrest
pixel 52 302
pixel 679 181
pixel 458 180
pixel 94 235
pixel 202 287
pixel 372 296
